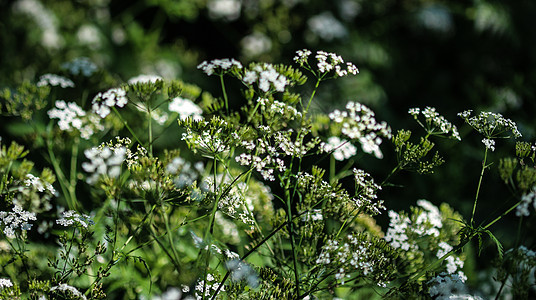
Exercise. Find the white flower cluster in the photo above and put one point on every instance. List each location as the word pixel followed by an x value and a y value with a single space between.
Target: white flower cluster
pixel 427 223
pixel 352 255
pixel 294 146
pixel 266 78
pixel 103 161
pixel 489 143
pixel 242 271
pixel 453 263
pixel 71 217
pixel 450 286
pixel 71 116
pixel 186 174
pixel 80 65
pixel 526 200
pixel 5 283
pixel 71 290
pixel 228 10
pixel 366 190
pixel 12 221
pixel 359 123
pixel 39 184
pixel 232 201
pixel 326 62
pixel 265 159
pixel 144 78
pixel 212 142
pixel 524 260
pixel 204 290
pixel 302 56
pixel 435 121
pixel 275 107
pixel 340 148
pixel 326 26
pixel 186 108
pixel 491 125
pixel 102 102
pixel 55 80
pixel 44 19
pixel 221 65
pixel 331 61
pixel 255 44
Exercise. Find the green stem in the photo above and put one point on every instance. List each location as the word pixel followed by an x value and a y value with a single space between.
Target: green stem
pixel 126 125
pixel 59 173
pixel 72 182
pixel 150 119
pixel 312 96
pixel 63 276
pixel 224 94
pixel 479 185
pixel 170 237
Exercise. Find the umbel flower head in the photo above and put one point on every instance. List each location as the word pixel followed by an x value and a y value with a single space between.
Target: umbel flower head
pixel 55 80
pixel 72 117
pixel 359 123
pixel 326 62
pixel 103 161
pixel 491 125
pixel 435 124
pixel 102 102
pixel 18 219
pixel 219 66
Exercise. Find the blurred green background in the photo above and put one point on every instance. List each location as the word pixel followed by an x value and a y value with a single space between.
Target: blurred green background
pixel 453 55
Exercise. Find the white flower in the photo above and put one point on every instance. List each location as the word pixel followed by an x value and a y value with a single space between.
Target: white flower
pixel 302 56
pixel 489 143
pixel 326 26
pixel 219 64
pixel 103 161
pixel 55 80
pixel 228 10
pixel 186 108
pixel 342 149
pixel 63 287
pixel 80 65
pixel 266 77
pixel 5 283
pixel 71 116
pixel 70 217
pixel 102 102
pixel 39 184
pixel 490 124
pixel 142 78
pixel 14 220
pixel 435 123
pixel 359 123
pixel 528 198
pixel 255 44
pixel 44 19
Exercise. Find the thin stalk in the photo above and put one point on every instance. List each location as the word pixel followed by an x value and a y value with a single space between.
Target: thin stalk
pixel 150 119
pixel 126 125
pixel 479 185
pixel 170 236
pixel 312 96
pixel 501 288
pixel 72 182
pixel 59 173
pixel 67 256
pixel 224 94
